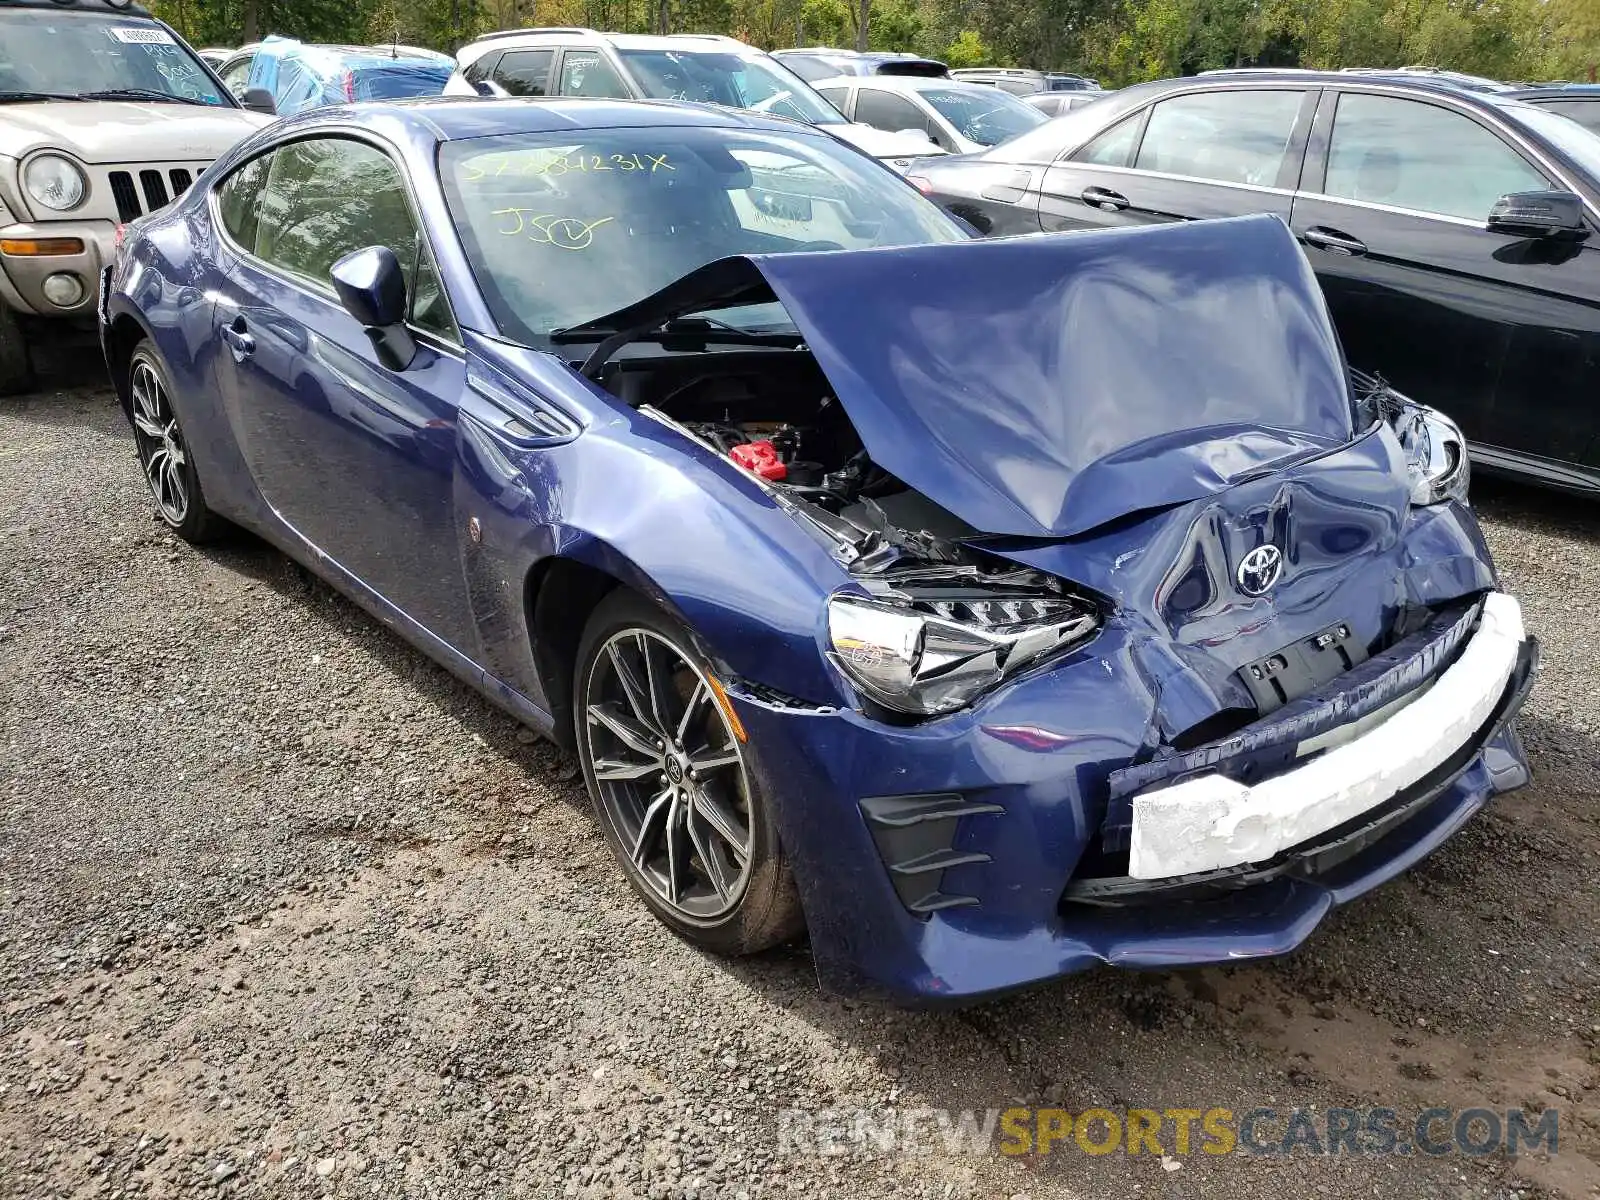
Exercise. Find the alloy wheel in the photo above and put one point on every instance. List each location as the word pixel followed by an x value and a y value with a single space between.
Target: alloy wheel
pixel 162 452
pixel 669 775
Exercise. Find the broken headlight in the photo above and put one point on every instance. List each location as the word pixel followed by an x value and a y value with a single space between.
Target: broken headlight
pixel 1436 451
pixel 1436 454
pixel 937 654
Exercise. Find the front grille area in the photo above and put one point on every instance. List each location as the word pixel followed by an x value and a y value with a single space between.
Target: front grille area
pixel 153 188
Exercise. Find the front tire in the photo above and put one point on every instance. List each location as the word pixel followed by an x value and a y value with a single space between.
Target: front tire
pixel 672 784
pixel 16 369
pixel 164 457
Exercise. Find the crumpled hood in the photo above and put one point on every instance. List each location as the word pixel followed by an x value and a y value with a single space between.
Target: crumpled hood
pixel 124 131
pixel 1043 386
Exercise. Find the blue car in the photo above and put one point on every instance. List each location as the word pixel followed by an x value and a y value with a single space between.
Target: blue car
pixel 986 610
pixel 299 76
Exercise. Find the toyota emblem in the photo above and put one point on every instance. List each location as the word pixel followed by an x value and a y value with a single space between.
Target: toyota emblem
pixel 1260 569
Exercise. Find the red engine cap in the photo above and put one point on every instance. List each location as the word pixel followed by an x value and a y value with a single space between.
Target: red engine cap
pixel 760 457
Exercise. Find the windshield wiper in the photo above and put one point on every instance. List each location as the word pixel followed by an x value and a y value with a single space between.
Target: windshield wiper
pixel 143 94
pixel 26 97
pixel 697 329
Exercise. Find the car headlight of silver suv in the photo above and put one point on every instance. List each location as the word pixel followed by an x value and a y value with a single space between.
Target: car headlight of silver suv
pixel 1436 454
pixel 926 656
pixel 55 182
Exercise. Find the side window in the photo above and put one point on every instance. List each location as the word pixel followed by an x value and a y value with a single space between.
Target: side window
pixel 1112 147
pixel 1416 155
pixel 323 198
pixel 587 73
pixel 1017 87
pixel 839 97
pixel 239 201
pixel 237 77
pixel 525 72
pixel 885 110
pixel 1234 137
pixel 479 68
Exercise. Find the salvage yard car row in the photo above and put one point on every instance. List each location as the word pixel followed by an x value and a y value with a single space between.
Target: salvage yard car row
pixel 984 608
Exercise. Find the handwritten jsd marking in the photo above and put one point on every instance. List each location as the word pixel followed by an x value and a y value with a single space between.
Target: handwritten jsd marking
pixel 564 233
pixel 492 166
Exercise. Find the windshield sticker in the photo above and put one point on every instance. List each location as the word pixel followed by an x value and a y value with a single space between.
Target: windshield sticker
pixel 140 35
pixel 546 229
pixel 543 162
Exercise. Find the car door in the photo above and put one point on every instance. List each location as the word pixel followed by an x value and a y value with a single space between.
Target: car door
pixel 1498 330
pixel 357 459
pixel 1221 153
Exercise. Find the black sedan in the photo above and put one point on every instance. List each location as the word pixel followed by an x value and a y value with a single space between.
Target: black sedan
pixel 1453 233
pixel 1579 101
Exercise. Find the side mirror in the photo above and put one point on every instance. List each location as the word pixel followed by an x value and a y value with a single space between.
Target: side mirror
pixel 260 100
pixel 491 89
pixel 1538 215
pixel 372 289
pixel 919 133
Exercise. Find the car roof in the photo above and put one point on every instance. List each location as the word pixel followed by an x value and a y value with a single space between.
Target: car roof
pixel 1571 91
pixel 622 41
pixel 908 83
pixel 1422 81
pixel 101 7
pixel 455 118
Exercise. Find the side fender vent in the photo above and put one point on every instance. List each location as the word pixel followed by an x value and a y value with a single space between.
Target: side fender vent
pixel 915 837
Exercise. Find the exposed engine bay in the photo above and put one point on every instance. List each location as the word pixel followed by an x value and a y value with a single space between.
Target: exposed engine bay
pixel 775 416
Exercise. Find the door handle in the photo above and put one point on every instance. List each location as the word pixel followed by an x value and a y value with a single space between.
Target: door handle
pixel 1104 198
pixel 1331 239
pixel 240 344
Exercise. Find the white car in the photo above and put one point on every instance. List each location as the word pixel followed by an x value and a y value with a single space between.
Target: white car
pixel 702 68
pixel 956 117
pixel 105 115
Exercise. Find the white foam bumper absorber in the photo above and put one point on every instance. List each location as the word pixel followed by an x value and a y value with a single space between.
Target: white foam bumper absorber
pixel 1211 822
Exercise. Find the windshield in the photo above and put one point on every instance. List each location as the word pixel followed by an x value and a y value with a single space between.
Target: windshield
pixel 987 117
pixel 561 231
pixel 732 80
pixel 73 53
pixel 1580 144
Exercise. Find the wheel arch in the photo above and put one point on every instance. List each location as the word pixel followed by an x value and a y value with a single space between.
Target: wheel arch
pixel 560 593
pixel 124 334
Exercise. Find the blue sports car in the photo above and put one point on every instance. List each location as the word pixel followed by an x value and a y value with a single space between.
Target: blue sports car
pixel 985 609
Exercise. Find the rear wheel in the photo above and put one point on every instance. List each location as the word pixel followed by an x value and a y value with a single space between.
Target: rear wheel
pixel 672 785
pixel 16 371
pixel 164 452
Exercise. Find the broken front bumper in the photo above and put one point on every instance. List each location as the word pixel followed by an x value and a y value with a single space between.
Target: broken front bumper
pixel 951 860
pixel 1212 822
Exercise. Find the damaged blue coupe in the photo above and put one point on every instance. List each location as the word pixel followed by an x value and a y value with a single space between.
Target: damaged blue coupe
pixel 985 610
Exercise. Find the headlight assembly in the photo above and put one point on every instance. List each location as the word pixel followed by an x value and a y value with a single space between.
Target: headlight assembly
pixel 1436 455
pixel 926 656
pixel 55 182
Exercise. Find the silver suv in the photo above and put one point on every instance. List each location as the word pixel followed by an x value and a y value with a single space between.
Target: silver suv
pixel 105 115
pixel 703 68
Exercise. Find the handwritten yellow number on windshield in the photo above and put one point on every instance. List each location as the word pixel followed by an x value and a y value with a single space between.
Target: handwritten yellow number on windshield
pixel 546 229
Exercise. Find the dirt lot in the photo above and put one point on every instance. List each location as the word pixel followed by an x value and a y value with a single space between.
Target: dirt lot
pixel 286 911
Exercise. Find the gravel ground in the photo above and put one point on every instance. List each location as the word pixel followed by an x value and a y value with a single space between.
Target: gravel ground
pixel 286 911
